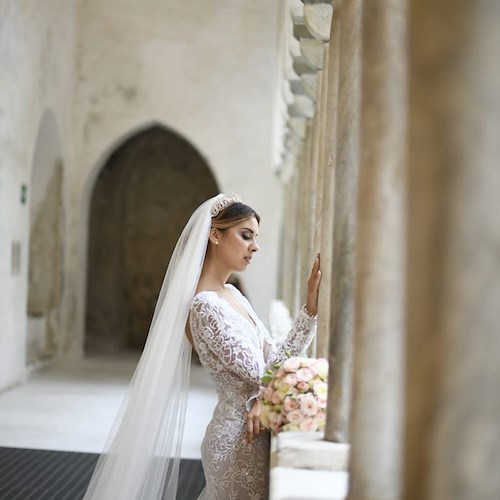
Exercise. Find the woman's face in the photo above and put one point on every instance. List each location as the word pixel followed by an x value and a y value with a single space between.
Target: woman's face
pixel 237 244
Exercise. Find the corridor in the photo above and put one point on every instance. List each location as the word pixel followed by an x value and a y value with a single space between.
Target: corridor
pixel 70 406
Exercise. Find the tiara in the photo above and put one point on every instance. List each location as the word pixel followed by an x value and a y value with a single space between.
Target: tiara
pixel 222 201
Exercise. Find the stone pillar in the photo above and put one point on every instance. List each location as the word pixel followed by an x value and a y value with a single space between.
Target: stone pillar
pixel 344 238
pixel 330 87
pixel 376 417
pixel 289 236
pixel 305 212
pixel 316 169
pixel 452 436
pixel 315 190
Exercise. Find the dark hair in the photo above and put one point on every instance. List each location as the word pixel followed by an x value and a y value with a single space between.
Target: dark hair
pixel 234 214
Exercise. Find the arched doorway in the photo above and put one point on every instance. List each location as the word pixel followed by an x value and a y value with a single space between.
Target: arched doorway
pixel 142 199
pixel 45 244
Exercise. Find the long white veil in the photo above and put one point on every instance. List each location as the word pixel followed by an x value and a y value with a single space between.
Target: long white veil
pixel 141 457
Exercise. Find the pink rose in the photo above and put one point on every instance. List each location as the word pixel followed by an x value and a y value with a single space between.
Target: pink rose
pixel 290 404
pixel 291 379
pixel 295 417
pixel 318 366
pixel 302 386
pixel 322 403
pixel 320 416
pixel 276 398
pixel 304 375
pixel 309 406
pixel 321 389
pixel 304 362
pixel 308 425
pixel 291 364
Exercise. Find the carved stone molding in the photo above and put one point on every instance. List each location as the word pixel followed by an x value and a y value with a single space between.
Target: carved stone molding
pixel 318 20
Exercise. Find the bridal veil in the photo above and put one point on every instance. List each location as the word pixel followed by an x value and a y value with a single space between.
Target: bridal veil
pixel 141 457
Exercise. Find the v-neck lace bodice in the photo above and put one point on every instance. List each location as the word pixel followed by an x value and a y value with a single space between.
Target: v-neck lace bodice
pixel 236 354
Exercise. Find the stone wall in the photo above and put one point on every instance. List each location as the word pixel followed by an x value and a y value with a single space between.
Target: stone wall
pixel 105 70
pixel 143 197
pixel 209 78
pixel 36 77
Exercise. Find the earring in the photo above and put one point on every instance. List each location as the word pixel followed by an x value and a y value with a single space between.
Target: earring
pixel 216 242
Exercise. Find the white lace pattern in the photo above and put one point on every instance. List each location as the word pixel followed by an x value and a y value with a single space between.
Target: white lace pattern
pixel 236 353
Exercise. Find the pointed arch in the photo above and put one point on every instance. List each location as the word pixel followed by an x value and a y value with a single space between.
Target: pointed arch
pixel 141 198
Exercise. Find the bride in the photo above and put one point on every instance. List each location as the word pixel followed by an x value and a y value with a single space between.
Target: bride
pixel 141 457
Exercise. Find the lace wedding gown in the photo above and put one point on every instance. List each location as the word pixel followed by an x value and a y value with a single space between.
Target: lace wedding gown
pixel 236 353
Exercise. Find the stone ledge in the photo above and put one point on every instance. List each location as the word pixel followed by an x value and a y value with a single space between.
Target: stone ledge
pixel 308 450
pixel 300 484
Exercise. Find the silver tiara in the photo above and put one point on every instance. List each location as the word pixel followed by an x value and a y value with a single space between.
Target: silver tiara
pixel 222 201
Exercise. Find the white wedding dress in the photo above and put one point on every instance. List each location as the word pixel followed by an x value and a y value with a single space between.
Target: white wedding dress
pixel 236 354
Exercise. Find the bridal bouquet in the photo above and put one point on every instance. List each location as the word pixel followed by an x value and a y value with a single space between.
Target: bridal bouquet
pixel 294 395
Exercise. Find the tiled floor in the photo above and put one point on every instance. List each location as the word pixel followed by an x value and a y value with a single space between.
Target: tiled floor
pixel 71 406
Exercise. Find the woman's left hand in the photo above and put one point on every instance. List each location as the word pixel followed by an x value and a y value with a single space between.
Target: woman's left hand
pixel 313 287
pixel 254 426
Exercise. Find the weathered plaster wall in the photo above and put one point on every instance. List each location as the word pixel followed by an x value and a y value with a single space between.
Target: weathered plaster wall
pixel 36 74
pixel 104 70
pixel 204 69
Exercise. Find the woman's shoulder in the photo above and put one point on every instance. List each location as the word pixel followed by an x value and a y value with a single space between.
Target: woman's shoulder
pixel 204 300
pixel 206 308
pixel 203 296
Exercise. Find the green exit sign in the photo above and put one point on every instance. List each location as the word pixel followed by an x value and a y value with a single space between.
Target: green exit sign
pixel 24 193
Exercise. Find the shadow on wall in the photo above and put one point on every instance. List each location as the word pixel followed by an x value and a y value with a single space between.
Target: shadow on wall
pixel 142 199
pixel 43 337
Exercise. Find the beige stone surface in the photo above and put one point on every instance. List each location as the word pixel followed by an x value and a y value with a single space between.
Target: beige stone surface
pixel 37 45
pixel 344 238
pixel 309 450
pixel 324 207
pixel 318 19
pixel 327 209
pixel 301 484
pixel 453 402
pixel 377 405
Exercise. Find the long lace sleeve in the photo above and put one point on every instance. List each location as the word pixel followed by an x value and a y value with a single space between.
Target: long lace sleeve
pixel 235 351
pixel 298 339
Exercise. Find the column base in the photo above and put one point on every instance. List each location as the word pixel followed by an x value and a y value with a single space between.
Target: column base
pixel 305 467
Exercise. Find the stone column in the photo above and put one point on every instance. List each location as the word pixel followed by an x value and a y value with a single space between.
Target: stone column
pixel 330 87
pixel 294 270
pixel 452 438
pixel 316 169
pixel 288 240
pixel 376 417
pixel 305 213
pixel 344 238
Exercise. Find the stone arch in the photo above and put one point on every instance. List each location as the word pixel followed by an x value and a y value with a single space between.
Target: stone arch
pixel 141 199
pixel 45 243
